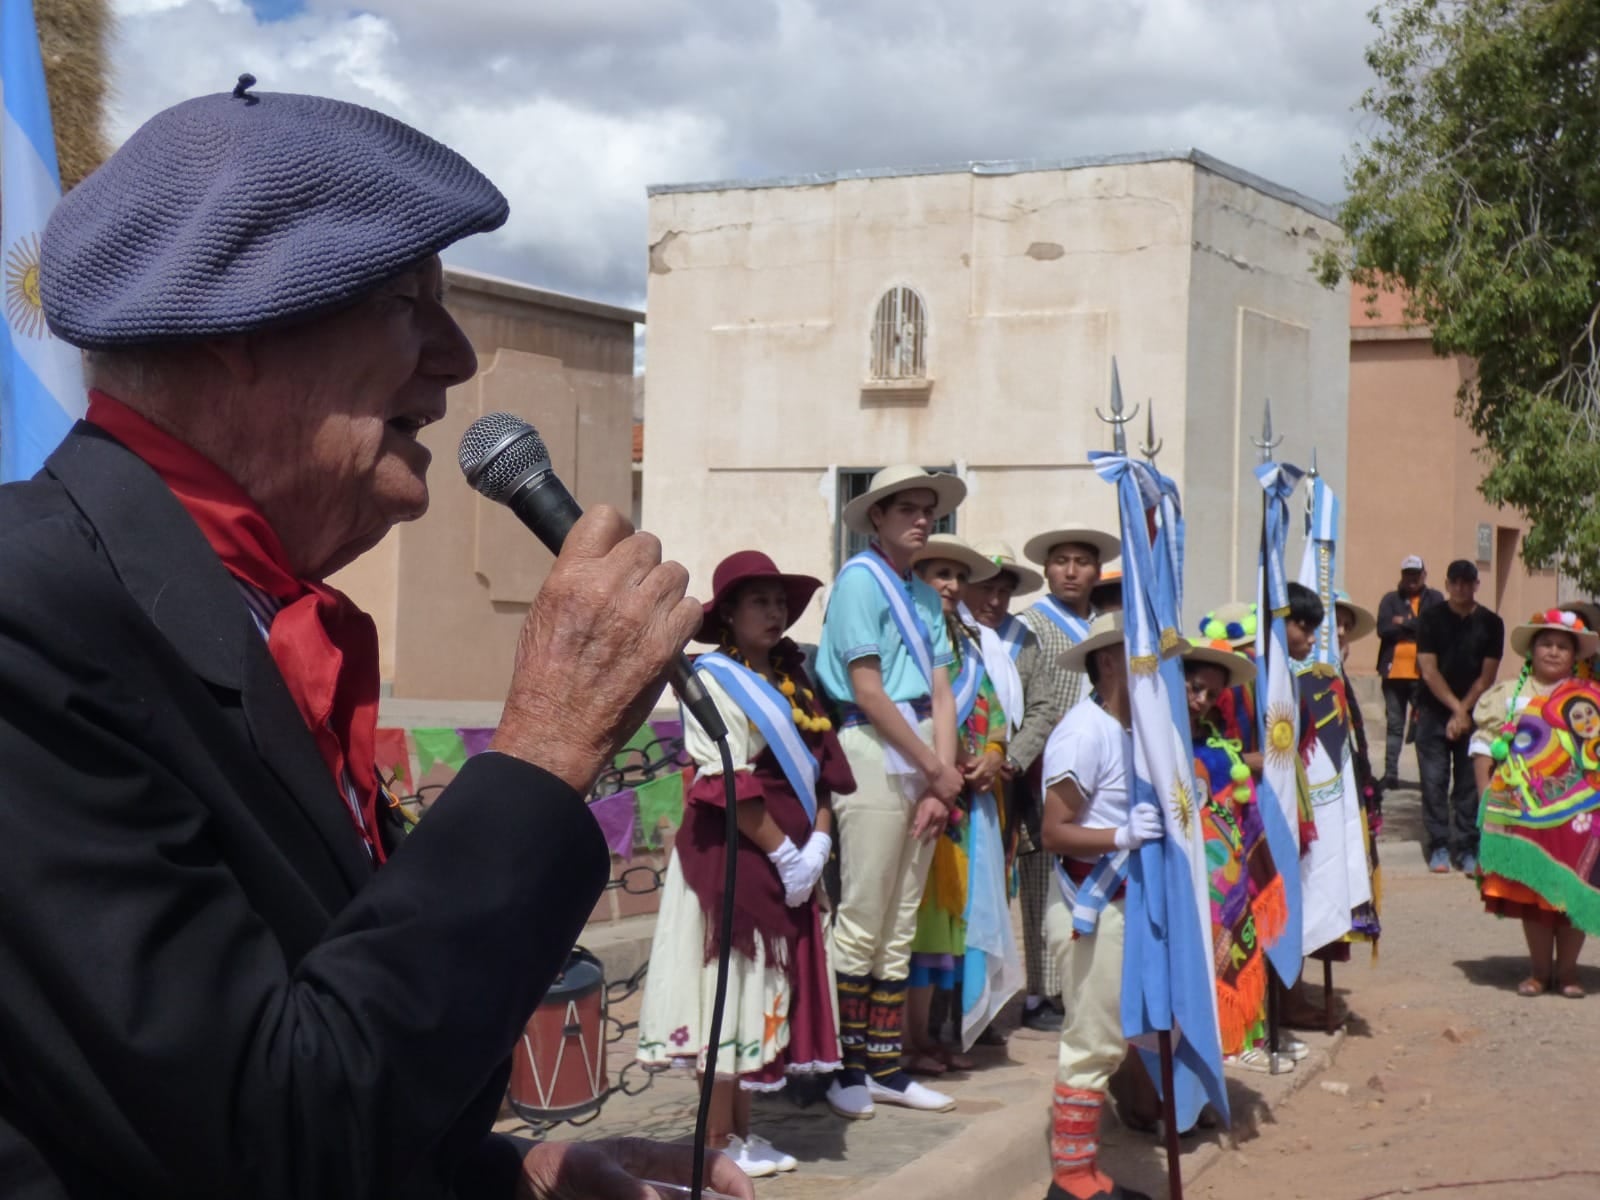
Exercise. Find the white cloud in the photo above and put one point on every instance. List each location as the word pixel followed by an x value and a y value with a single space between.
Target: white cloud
pixel 574 108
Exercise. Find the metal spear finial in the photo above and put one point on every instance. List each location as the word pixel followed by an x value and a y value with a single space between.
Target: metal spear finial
pixel 1266 443
pixel 1119 437
pixel 1151 446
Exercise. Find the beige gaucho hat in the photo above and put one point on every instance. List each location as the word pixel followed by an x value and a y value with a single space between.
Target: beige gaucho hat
pixel 1562 621
pixel 1240 669
pixel 948 490
pixel 1005 558
pixel 1105 630
pixel 1039 546
pixel 1365 622
pixel 948 546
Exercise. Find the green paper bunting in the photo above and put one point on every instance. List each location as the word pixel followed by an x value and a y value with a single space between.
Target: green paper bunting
pixel 438 745
pixel 660 799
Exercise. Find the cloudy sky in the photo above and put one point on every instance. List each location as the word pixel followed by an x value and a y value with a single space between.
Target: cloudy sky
pixel 573 106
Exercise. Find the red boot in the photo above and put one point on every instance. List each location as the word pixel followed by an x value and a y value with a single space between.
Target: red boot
pixel 1075 1146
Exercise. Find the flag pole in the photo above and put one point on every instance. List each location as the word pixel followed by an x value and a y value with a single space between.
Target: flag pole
pixel 1169 1097
pixel 1265 445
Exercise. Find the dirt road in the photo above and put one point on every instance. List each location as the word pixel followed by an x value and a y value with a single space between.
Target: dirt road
pixel 1448 1081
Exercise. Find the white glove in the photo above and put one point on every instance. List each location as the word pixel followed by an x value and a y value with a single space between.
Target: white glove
pixel 1144 825
pixel 795 873
pixel 816 851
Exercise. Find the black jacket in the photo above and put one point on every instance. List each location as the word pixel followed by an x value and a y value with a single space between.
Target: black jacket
pixel 1389 634
pixel 207 990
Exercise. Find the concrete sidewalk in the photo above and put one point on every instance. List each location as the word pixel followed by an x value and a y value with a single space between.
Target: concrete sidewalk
pixel 993 1145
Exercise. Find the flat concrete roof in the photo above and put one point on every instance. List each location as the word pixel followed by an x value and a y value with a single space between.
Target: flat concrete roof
pixel 1018 167
pixel 494 285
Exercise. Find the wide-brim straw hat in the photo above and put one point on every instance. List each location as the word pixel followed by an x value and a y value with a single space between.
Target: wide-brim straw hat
pixel 1234 623
pixel 1240 669
pixel 1365 623
pixel 744 566
pixel 1004 557
pixel 1561 620
pixel 948 490
pixel 953 549
pixel 1037 548
pixel 1110 581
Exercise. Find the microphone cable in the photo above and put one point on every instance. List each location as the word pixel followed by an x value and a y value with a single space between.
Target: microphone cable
pixel 708 1081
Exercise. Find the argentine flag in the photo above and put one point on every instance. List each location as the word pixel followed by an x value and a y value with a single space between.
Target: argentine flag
pixel 1168 981
pixel 41 379
pixel 1333 873
pixel 1278 711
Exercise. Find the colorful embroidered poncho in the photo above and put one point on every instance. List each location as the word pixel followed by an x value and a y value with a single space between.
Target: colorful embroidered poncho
pixel 1538 813
pixel 1247 901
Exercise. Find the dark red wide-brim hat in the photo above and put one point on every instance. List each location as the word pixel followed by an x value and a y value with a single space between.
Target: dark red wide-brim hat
pixel 744 566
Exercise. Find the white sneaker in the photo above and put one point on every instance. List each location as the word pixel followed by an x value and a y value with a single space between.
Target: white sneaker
pixel 752 1164
pixel 758 1147
pixel 915 1096
pixel 853 1103
pixel 1292 1046
pixel 1259 1060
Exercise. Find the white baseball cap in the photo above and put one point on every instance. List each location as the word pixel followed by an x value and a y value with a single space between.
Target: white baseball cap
pixel 1413 562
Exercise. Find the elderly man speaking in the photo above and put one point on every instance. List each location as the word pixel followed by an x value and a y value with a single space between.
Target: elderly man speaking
pixel 224 973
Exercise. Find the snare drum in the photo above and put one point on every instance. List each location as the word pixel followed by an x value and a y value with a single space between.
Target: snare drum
pixel 558 1070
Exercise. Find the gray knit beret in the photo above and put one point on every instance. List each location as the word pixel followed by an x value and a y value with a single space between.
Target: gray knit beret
pixel 239 211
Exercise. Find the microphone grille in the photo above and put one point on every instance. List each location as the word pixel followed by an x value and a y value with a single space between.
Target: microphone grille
pixel 497 450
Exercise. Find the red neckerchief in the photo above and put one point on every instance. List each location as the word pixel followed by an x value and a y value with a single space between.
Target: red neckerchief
pixel 325 647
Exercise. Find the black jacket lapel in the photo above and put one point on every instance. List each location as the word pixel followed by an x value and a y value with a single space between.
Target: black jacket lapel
pixel 171 572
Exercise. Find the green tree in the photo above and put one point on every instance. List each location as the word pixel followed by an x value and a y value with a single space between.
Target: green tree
pixel 1478 193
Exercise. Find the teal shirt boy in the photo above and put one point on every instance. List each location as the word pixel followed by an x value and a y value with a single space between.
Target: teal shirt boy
pixel 858 624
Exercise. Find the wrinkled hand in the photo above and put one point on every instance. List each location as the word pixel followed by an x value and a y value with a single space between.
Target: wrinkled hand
pixel 946 783
pixel 1144 825
pixel 594 649
pixel 614 1168
pixel 982 773
pixel 930 818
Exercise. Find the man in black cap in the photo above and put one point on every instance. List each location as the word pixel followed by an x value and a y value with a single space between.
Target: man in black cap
pixel 225 973
pixel 1459 645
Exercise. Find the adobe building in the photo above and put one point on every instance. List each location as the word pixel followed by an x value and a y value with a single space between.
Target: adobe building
pixel 449 592
pixel 805 332
pixel 1414 475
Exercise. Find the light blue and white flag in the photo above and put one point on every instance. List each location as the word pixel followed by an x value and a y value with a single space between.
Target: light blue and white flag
pixel 1278 715
pixel 1333 872
pixel 41 379
pixel 1168 981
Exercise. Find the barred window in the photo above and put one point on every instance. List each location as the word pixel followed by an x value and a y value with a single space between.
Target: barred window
pixel 900 336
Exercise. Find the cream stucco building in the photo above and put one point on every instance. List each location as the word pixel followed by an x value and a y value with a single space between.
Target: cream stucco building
pixel 804 332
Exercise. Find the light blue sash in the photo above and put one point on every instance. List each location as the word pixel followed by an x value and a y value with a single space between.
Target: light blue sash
pixel 1013 633
pixel 968 681
pixel 1069 622
pixel 1088 899
pixel 912 632
pixel 770 711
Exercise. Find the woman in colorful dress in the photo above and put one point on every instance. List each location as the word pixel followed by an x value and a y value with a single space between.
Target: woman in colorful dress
pixel 1247 903
pixel 780 1016
pixel 964 904
pixel 1537 859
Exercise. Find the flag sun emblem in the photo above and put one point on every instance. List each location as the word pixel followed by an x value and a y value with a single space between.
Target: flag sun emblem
pixel 1280 734
pixel 24 307
pixel 1182 806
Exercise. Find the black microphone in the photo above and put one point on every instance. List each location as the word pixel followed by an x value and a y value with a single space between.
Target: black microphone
pixel 505 460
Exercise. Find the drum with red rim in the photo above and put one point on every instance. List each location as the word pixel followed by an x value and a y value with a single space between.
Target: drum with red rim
pixel 558 1070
